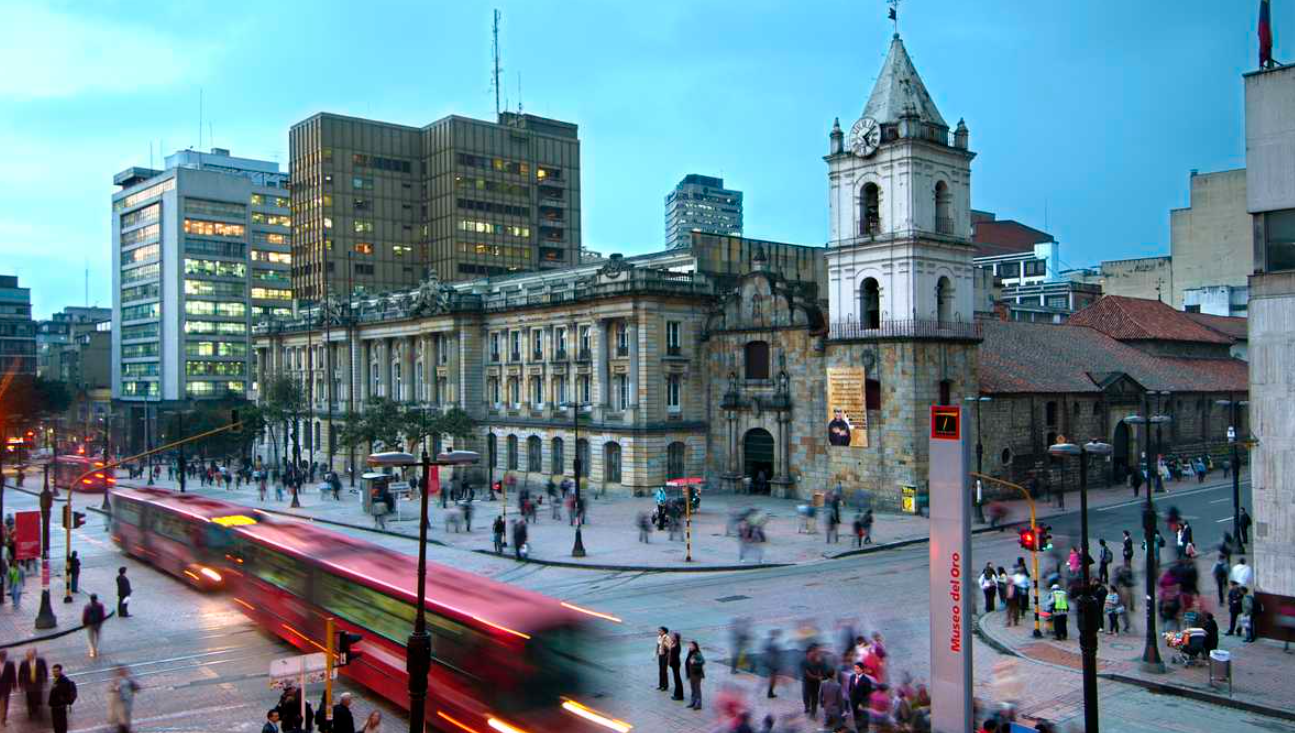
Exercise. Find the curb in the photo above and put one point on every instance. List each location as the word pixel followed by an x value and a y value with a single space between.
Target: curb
pixel 56 634
pixel 639 568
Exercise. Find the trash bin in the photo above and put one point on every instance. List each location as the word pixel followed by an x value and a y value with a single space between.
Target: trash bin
pixel 909 499
pixel 1221 668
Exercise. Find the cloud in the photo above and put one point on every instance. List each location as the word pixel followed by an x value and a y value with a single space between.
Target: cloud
pixel 48 54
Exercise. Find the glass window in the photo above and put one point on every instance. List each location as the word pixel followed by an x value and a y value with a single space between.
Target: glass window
pixel 141 254
pixel 363 248
pixel 367 608
pixel 143 330
pixel 133 351
pixel 672 333
pixel 512 452
pixel 216 249
pixel 170 526
pixel 140 369
pixel 204 207
pixel 558 461
pixel 215 368
pixel 277 220
pixel 129 202
pixel 276 258
pixel 676 460
pixel 140 216
pixel 214 348
pixel 534 454
pixel 140 292
pixel 363 226
pixel 214 268
pixel 271 294
pixel 206 287
pixel 143 234
pixel 138 312
pixel 612 463
pixel 275 568
pixel 215 308
pixel 226 328
pixel 205 228
pixel 1279 233
pixel 146 272
pixel 673 383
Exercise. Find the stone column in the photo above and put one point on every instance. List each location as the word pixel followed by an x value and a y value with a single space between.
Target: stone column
pixel 601 348
pixel 384 366
pixel 733 478
pixel 634 363
pixel 783 478
pixel 366 370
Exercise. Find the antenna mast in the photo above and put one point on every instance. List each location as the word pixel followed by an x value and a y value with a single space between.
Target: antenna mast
pixel 495 48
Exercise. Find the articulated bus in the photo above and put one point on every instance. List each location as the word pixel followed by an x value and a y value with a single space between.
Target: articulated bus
pixel 503 659
pixel 68 470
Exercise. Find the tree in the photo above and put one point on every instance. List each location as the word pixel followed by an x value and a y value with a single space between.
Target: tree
pixel 420 424
pixel 380 423
pixel 283 404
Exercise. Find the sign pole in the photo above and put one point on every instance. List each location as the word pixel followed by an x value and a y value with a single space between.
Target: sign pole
pixel 687 508
pixel 950 571
pixel 329 661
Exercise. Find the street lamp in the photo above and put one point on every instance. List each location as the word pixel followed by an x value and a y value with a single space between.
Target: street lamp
pixel 1151 661
pixel 980 456
pixel 1089 606
pixel 577 549
pixel 418 649
pixel 1234 437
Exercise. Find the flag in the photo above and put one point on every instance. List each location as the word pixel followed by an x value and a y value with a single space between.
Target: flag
pixel 892 15
pixel 1265 36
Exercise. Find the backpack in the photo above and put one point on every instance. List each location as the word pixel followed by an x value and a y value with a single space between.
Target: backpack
pixel 71 691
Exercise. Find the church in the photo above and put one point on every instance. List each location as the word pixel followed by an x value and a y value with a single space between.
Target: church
pixel 765 366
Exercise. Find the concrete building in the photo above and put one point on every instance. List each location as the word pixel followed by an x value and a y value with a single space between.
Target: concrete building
pixel 201 252
pixel 61 330
pixel 1025 265
pixel 1210 245
pixel 1149 278
pixel 17 329
pixel 378 203
pixel 701 204
pixel 1270 200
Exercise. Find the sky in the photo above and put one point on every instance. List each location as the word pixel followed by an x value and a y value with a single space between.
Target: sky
pixel 1086 117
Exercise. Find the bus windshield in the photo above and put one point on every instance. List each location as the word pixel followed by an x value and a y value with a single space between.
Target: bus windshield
pixel 555 664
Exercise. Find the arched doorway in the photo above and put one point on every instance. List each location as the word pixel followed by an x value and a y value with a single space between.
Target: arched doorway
pixel 757 454
pixel 1120 453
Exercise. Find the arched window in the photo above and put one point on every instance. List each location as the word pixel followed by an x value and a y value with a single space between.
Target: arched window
pixel 557 461
pixel 943 300
pixel 870 303
pixel 870 210
pixel 943 204
pixel 756 359
pixel 492 449
pixel 872 394
pixel 512 452
pixel 676 460
pixel 582 457
pixel 612 463
pixel 534 454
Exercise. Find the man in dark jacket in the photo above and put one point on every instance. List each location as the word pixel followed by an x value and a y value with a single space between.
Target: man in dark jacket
pixel 123 593
pixel 343 721
pixel 8 680
pixel 92 619
pixel 61 696
pixel 74 570
pixel 858 687
pixel 290 709
pixel 32 677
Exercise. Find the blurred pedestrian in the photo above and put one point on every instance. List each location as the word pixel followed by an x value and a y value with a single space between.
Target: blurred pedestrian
pixel 773 659
pixel 833 520
pixel 497 530
pixel 1243 527
pixel 290 708
pixel 8 680
pixel 1127 547
pixel 832 701
pixel 811 679
pixel 1113 608
pixel 92 618
pixel 1104 559
pixel 32 678
pixel 663 658
pixel 695 664
pixel 62 694
pixel 121 700
pixel 520 550
pixel 741 635
pixel 16 579
pixel 123 593
pixel 1220 573
pixel 645 527
pixel 373 724
pixel 867 527
pixel 676 661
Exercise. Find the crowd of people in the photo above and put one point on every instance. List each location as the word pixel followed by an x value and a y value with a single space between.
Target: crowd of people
pixel 294 714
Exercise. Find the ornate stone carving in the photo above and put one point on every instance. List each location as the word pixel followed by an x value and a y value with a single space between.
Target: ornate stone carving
pixel 431 297
pixel 615 267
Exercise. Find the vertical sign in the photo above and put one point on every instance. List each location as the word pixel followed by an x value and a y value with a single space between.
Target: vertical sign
pixel 951 572
pixel 847 413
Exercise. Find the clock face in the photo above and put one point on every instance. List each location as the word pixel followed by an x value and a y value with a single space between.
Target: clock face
pixel 865 136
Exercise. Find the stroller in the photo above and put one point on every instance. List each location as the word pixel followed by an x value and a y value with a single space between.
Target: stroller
pixel 1188 646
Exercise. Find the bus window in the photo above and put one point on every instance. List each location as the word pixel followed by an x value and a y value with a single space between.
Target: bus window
pixel 217 538
pixel 171 527
pixel 553 666
pixel 125 510
pixel 276 569
pixel 367 608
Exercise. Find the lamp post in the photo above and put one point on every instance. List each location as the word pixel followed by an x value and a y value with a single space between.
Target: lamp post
pixel 1151 661
pixel 980 456
pixel 1234 437
pixel 45 618
pixel 418 649
pixel 1089 606
pixel 577 549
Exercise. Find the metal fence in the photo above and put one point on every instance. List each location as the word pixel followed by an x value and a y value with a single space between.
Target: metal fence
pixel 912 328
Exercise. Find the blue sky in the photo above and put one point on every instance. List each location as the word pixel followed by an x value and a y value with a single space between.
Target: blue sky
pixel 1094 110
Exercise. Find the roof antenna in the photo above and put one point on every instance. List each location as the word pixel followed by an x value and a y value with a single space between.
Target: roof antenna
pixel 519 92
pixel 495 51
pixel 199 120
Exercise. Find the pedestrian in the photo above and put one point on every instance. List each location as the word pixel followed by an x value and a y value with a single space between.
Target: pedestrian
pixel 1248 603
pixel 1002 581
pixel 858 530
pixel 520 550
pixel 989 586
pixel 62 694
pixel 676 661
pixel 32 678
pixel 271 721
pixel 1060 609
pixel 1243 526
pixel 123 593
pixel 833 520
pixel 373 723
pixel 74 570
pixel 1018 592
pixel 811 678
pixel 1104 560
pixel 1128 547
pixel 858 689
pixel 645 527
pixel 1211 633
pixel 1072 561
pixel 1220 573
pixel 92 618
pixel 1225 549
pixel 832 700
pixel 1243 574
pixel 1113 610
pixel 290 708
pixel 773 660
pixel 867 527
pixel 497 529
pixel 8 680
pixel 663 642
pixel 16 580
pixel 741 633
pixel 1235 593
pixel 695 664
pixel 343 721
pixel 121 700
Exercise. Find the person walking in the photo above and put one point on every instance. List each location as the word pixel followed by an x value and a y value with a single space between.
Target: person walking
pixel 74 570
pixel 123 593
pixel 811 678
pixel 121 699
pixel 1220 573
pixel 62 694
pixel 989 586
pixel 92 618
pixel 32 678
pixel 645 527
pixel 1243 526
pixel 373 723
pixel 773 660
pixel 663 642
pixel 867 527
pixel 519 539
pixel 343 721
pixel 695 665
pixel 1127 550
pixel 676 661
pixel 8 681
pixel 1235 594
pixel 16 580
pixel 1104 559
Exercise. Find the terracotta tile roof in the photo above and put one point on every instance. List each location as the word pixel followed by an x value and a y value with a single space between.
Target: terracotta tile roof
pixel 1020 358
pixel 1005 236
pixel 1237 328
pixel 1139 319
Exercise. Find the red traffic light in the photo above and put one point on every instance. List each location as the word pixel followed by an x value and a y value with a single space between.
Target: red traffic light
pixel 1028 539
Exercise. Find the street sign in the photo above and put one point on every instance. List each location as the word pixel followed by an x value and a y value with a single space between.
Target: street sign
pixel 1232 433
pixel 303 668
pixel 946 422
pixel 951 570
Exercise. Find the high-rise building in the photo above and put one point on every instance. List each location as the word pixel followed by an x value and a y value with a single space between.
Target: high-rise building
pixel 61 330
pixel 378 203
pixel 201 252
pixel 701 204
pixel 17 330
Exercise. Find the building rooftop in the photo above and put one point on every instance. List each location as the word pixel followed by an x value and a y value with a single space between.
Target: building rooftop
pixel 994 237
pixel 1235 327
pixel 899 90
pixel 1139 319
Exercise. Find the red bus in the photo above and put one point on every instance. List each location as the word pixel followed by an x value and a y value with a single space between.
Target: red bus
pixel 68 470
pixel 504 659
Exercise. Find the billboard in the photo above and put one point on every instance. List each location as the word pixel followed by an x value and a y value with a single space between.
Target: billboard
pixel 847 414
pixel 26 535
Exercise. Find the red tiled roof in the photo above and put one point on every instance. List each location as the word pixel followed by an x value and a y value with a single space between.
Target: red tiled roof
pixel 1005 236
pixel 1139 319
pixel 1237 328
pixel 1018 357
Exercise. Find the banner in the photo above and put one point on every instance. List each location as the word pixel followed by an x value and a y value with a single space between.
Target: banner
pixel 847 414
pixel 26 535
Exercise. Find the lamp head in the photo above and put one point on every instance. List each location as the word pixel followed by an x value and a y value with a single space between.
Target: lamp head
pixel 392 458
pixel 458 458
pixel 1065 449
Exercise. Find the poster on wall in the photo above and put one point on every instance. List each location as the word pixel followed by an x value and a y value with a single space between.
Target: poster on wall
pixel 847 415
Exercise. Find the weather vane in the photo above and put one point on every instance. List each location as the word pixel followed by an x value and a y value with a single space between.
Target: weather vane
pixel 894 13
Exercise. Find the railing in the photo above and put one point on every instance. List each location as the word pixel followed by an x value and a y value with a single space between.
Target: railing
pixel 560 355
pixel 870 226
pixel 584 355
pixel 622 350
pixel 943 225
pixel 537 355
pixel 913 328
pixel 673 351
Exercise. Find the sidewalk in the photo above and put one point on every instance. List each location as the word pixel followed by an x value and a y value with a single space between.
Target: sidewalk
pixel 1259 670
pixel 18 627
pixel 610 535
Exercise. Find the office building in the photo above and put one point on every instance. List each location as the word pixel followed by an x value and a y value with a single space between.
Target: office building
pixel 379 203
pixel 62 329
pixel 17 330
pixel 701 204
pixel 202 251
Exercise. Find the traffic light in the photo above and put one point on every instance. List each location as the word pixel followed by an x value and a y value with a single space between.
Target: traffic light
pixel 1029 541
pixel 345 640
pixel 1045 537
pixel 78 518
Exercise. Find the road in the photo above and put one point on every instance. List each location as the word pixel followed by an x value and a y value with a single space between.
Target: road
pixel 203 664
